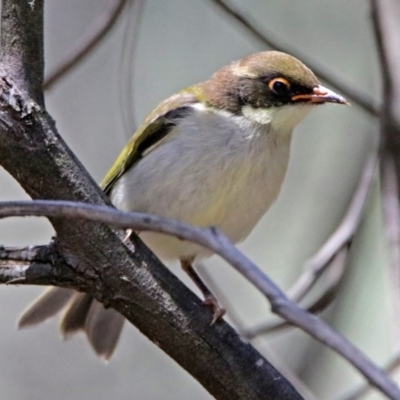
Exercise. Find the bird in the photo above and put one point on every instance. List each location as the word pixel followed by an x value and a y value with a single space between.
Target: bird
pixel 213 154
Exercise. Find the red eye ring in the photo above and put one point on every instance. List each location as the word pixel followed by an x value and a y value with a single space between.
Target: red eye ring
pixel 279 86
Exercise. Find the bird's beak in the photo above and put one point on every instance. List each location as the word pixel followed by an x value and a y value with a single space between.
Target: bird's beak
pixel 321 94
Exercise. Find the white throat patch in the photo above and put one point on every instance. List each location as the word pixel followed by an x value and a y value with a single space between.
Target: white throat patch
pixel 281 119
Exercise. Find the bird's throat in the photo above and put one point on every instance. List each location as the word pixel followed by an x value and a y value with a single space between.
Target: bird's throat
pixel 282 120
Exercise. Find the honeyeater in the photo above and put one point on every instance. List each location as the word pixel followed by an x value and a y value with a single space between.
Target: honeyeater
pixel 213 154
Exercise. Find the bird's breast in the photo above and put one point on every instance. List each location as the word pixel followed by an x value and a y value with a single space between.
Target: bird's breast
pixel 227 176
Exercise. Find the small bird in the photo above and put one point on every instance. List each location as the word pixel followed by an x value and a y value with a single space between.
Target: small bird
pixel 214 154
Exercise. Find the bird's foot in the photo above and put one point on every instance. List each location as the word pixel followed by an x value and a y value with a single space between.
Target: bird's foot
pixel 128 235
pixel 218 311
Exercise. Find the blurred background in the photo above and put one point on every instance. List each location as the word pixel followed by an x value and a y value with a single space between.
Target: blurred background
pixel 157 48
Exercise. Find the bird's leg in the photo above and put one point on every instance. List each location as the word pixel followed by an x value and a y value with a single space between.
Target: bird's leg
pixel 209 299
pixel 128 234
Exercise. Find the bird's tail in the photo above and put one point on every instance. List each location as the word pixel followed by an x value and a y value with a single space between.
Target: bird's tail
pixel 81 313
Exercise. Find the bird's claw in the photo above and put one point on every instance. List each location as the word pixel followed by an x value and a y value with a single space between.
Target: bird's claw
pixel 218 311
pixel 127 235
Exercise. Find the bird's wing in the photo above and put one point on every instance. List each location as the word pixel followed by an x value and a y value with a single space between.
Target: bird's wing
pixel 155 127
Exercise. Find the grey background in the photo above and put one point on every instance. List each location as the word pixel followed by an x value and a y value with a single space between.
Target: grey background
pixel 177 43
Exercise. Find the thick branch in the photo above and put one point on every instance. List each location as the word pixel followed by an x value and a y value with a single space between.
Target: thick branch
pixel 39 265
pixel 22 46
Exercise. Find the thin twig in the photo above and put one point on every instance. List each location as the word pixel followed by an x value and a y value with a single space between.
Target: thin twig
pixel 215 241
pixel 99 31
pixel 318 305
pixel 333 249
pixel 391 212
pixel 386 23
pixel 343 234
pixel 129 45
pixel 364 388
pixel 271 40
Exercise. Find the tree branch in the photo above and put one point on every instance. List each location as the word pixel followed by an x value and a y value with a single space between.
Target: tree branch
pixel 342 235
pixel 99 31
pixel 22 46
pixel 363 389
pixel 333 254
pixel 336 271
pixel 35 265
pixel 386 21
pixel 215 241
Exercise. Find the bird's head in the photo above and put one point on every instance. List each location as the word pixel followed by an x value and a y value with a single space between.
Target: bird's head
pixel 268 88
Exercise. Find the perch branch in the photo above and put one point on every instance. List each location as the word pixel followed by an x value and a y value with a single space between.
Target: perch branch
pixel 215 241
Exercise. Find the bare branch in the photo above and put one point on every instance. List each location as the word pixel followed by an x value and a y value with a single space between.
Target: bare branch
pixel 129 45
pixel 22 46
pixel 332 249
pixel 270 40
pixel 386 20
pixel 340 237
pixel 215 241
pixel 34 265
pixel 391 212
pixel 336 271
pixel 99 31
pixel 363 389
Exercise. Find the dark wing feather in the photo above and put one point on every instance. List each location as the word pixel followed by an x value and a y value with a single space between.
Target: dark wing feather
pixel 153 130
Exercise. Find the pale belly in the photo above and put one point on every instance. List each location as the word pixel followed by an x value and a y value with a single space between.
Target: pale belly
pixel 226 179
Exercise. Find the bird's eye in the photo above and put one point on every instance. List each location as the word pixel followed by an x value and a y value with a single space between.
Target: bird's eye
pixel 279 85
